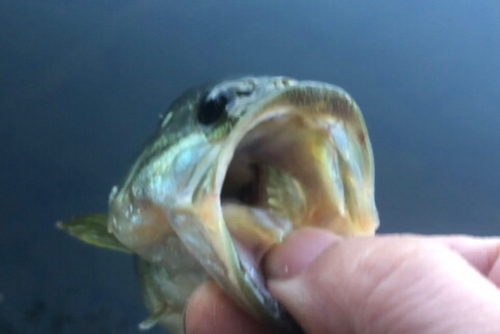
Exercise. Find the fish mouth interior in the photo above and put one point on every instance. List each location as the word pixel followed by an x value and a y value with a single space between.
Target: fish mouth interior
pixel 275 182
pixel 244 184
pixel 259 157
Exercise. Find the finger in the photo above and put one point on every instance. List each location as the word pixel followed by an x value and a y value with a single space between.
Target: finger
pixel 483 253
pixel 300 249
pixel 389 284
pixel 210 311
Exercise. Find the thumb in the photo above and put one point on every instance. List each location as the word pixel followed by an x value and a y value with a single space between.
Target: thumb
pixel 392 284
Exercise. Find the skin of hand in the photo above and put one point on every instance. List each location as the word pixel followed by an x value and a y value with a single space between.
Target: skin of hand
pixel 381 284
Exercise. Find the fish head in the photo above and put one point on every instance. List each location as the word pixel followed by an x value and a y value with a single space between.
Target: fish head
pixel 234 167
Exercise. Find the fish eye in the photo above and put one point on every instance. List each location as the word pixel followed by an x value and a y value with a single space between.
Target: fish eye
pixel 211 109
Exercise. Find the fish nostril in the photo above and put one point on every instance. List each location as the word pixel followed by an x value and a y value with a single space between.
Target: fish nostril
pixel 241 93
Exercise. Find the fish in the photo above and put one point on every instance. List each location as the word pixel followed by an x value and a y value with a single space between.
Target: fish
pixel 231 170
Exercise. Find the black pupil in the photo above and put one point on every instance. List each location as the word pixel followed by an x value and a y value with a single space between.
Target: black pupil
pixel 212 109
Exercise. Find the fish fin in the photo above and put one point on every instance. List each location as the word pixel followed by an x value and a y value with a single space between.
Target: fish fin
pixel 153 319
pixel 92 229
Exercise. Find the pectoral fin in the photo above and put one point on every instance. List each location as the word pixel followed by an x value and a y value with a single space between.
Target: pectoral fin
pixel 92 229
pixel 153 319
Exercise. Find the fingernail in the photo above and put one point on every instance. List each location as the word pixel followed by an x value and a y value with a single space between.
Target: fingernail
pixel 297 252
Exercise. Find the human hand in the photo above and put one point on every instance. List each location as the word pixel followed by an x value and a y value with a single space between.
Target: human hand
pixel 381 284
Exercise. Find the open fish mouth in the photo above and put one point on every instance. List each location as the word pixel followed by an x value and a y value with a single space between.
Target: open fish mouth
pixel 303 155
pixel 285 155
pixel 298 158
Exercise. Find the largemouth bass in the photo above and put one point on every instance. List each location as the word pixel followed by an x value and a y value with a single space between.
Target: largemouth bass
pixel 231 170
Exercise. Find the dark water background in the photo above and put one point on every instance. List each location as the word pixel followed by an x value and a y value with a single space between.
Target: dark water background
pixel 82 84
